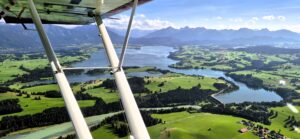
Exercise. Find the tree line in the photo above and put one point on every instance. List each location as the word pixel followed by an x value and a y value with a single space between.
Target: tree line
pixel 253 112
pixel 10 106
pixel 122 131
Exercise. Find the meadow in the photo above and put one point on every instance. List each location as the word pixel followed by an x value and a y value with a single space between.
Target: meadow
pixel 221 59
pixel 10 68
pixel 279 121
pixel 170 81
pixel 32 106
pixel 183 125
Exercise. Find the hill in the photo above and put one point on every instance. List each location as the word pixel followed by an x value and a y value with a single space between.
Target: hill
pixel 268 50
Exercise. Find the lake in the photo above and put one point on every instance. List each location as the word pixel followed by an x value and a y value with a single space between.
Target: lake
pixel 146 56
pixel 157 56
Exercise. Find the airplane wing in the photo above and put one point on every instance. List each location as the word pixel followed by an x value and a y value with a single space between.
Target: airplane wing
pixel 62 11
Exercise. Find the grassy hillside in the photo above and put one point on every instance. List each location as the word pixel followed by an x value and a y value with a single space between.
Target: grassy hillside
pixel 225 60
pixel 173 81
pixel 182 125
pixel 10 68
pixel 170 81
pixel 288 73
pixel 31 106
pixel 279 121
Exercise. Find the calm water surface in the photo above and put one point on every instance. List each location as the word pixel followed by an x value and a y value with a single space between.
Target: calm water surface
pixel 148 56
pixel 158 56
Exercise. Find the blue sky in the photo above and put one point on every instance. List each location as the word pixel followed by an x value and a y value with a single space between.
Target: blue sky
pixel 214 14
pixel 220 14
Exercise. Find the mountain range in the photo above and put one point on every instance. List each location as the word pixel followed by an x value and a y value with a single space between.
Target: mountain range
pixel 243 36
pixel 15 37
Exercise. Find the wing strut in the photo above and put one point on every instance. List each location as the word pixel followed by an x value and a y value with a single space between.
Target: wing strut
pixel 72 106
pixel 125 45
pixel 133 115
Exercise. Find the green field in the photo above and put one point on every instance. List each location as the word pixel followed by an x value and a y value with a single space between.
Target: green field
pixel 9 69
pixel 105 94
pixel 271 79
pixel 182 125
pixel 105 133
pixel 31 106
pixel 173 81
pixel 42 88
pixel 278 122
pixel 221 59
pixel 270 68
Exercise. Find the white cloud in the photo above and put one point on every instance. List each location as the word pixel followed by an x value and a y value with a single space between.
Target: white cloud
pixel 219 18
pixel 140 22
pixel 269 17
pixel 141 15
pixel 255 18
pixel 236 20
pixel 295 28
pixel 68 26
pixel 272 17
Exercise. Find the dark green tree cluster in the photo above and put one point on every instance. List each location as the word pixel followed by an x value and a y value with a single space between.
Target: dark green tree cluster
pixel 257 113
pixel 137 84
pixel 10 106
pixel 291 122
pixel 178 96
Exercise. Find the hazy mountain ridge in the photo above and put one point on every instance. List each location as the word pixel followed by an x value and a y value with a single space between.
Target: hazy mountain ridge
pixel 135 33
pixel 15 37
pixel 202 35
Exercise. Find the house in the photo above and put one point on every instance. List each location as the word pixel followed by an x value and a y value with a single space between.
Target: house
pixel 282 82
pixel 243 130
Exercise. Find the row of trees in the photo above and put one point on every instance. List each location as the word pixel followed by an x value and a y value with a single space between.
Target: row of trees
pixel 34 75
pixel 137 84
pixel 253 112
pixel 59 115
pixel 247 79
pixel 177 96
pixel 10 106
pixel 291 122
pixel 4 89
pixel 119 126
pixel 50 116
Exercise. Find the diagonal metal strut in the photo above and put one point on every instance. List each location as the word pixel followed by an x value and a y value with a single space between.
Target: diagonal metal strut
pixel 133 115
pixel 125 44
pixel 72 106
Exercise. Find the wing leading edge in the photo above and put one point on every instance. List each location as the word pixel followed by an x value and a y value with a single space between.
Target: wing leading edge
pixel 63 11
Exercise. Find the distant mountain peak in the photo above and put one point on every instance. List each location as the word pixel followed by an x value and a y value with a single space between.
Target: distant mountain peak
pixel 169 28
pixel 200 35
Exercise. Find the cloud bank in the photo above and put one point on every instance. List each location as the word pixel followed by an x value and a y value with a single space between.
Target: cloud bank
pixel 140 22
